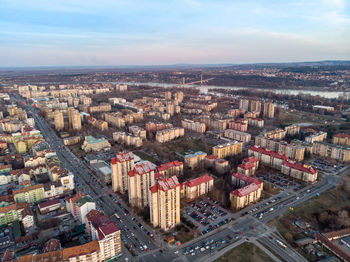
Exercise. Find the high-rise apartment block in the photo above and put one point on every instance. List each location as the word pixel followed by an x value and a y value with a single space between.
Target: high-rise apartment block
pixel 255 106
pixel 228 149
pixel 121 165
pixel 141 178
pixel 76 120
pixel 244 104
pixel 165 203
pixel 59 122
pixel 269 110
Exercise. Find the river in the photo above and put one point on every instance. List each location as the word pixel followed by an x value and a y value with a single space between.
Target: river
pixel 204 89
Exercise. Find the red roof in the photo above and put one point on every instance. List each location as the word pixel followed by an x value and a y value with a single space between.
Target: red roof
pixel 245 190
pixel 165 184
pixel 303 168
pixel 211 157
pixel 49 203
pixel 246 179
pixel 166 166
pixel 199 180
pixel 342 135
pixel 267 152
pixel 122 157
pixel 107 229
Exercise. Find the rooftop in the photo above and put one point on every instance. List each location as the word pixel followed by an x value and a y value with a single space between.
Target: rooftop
pixel 199 180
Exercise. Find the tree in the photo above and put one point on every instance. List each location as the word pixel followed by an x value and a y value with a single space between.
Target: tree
pixel 289 237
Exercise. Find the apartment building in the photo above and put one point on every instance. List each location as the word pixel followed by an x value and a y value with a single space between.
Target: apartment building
pixel 197 187
pixel 249 166
pixel 269 110
pixel 127 139
pixel 267 157
pixel 237 135
pixel 101 228
pixel 80 205
pixel 103 107
pixel 174 168
pixel 121 87
pixel 167 95
pixel 195 160
pixel 292 129
pixel 240 125
pixel 277 134
pixel 169 134
pixel 249 191
pixel 59 122
pixel 121 165
pixel 165 203
pixel 228 149
pixel 341 139
pixel 218 164
pixel 244 104
pixel 154 127
pixel 179 96
pixel 235 112
pixel 215 124
pixel 76 120
pixel 140 179
pixel 255 106
pixel 138 131
pixel 299 171
pixel 11 213
pixel 193 126
pixel 257 122
pixel 30 194
pixel 115 119
pixel 319 136
pixel 337 152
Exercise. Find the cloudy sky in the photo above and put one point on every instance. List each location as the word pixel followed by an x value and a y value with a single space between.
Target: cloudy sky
pixel 155 32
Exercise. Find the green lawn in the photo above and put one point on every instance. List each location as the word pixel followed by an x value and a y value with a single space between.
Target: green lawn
pixel 244 253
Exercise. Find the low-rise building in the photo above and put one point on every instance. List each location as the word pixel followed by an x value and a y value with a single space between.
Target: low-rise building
pixel 341 139
pixel 95 144
pixel 277 134
pixel 337 152
pixel 197 187
pixel 169 134
pixel 237 135
pixel 299 171
pixel 165 203
pixel 249 191
pixel 79 205
pixel 320 136
pixel 239 125
pixel 292 129
pixel 228 149
pixel 103 107
pixel 193 126
pixel 249 166
pixel 30 194
pixel 127 139
pixel 174 168
pixel 195 160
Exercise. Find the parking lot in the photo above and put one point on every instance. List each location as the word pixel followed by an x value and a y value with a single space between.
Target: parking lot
pixel 206 214
pixel 280 180
pixel 325 166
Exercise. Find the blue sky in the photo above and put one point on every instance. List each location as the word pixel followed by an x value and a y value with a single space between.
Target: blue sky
pixel 149 32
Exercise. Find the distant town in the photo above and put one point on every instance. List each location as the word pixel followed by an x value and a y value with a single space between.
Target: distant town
pixel 183 164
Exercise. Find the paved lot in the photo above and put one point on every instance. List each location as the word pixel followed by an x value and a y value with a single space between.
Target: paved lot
pixel 280 180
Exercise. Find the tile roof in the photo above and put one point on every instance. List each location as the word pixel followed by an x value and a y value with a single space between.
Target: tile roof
pixel 342 135
pixel 267 152
pixel 302 168
pixel 165 184
pixel 169 165
pixel 27 189
pixel 245 190
pixel 48 203
pixel 142 168
pixel 85 249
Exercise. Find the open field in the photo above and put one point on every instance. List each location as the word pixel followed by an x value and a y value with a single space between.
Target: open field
pixel 243 253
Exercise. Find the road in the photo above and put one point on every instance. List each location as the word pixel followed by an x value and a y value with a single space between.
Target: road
pixel 245 227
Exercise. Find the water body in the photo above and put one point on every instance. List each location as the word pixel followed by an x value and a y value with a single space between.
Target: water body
pixel 204 89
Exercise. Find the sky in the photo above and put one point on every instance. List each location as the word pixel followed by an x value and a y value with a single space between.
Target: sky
pixel 164 32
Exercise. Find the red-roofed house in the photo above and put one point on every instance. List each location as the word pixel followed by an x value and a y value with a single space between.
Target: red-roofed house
pixel 197 187
pixel 165 203
pixel 267 157
pixel 121 166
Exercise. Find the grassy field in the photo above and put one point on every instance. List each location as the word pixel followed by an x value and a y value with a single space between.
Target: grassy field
pixel 244 253
pixel 144 156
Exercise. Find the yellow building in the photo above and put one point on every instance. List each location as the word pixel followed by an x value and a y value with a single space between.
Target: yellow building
pixel 341 139
pixel 228 149
pixel 332 151
pixel 195 160
pixel 320 136
pixel 140 179
pixel 59 122
pixel 255 106
pixel 121 165
pixel 194 126
pixel 165 203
